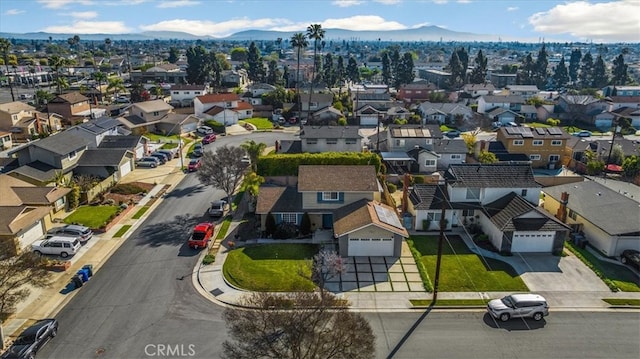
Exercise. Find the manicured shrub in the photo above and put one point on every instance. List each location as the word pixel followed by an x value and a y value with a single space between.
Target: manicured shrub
pixel 392 187
pixel 208 259
pixel 127 188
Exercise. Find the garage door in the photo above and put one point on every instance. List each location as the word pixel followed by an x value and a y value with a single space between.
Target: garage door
pixel 125 168
pixel 370 247
pixel 368 120
pixel 190 127
pixel 532 242
pixel 31 235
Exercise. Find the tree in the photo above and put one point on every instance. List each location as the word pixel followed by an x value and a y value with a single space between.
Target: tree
pixel 197 67
pixel 457 71
pixel 340 72
pixel 17 274
pixel 254 61
pixel 254 150
pixel 540 73
pixel 299 42
pixel 174 55
pixel 328 70
pixel 353 73
pixel 115 85
pixel 525 73
pixel 57 63
pixel 617 155
pixel 5 46
pixel 487 157
pixel 107 45
pixel 600 78
pixel 224 169
pixel 387 76
pixel 100 77
pixel 296 325
pixel 631 166
pixel 586 71
pixel 315 33
pixel 560 75
pixel 251 183
pixel 405 74
pixel 574 64
pixel 619 72
pixel 469 139
pixel 325 265
pixel 239 54
pixel 479 73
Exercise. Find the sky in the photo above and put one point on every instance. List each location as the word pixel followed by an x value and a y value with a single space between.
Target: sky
pixel 549 20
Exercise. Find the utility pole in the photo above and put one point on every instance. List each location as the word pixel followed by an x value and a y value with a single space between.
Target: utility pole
pixel 436 282
pixel 616 128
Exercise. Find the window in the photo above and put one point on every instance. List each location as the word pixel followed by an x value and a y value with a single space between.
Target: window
pixel 573 215
pixel 350 141
pixel 473 193
pixel 430 163
pixel 72 155
pixel 429 141
pixel 290 218
pixel 518 142
pixel 434 216
pixel 332 141
pixel 399 142
pixel 523 193
pixel 554 158
pixel 330 196
pixel 538 142
pixel 312 141
pixel 313 105
pixel 176 92
pixel 197 92
pixel 556 143
pixel 534 157
pixel 467 212
pixel 186 92
pixel 228 105
pixel 456 157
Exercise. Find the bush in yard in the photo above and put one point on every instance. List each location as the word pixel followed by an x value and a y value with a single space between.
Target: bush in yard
pixel 73 198
pixel 208 259
pixel 285 231
pixel 127 188
pixel 392 187
pixel 270 224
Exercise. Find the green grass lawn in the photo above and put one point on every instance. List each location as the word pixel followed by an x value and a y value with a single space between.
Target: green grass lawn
pixel 224 227
pixel 270 267
pixel 140 212
pixel 261 123
pixel 92 216
pixel 464 271
pixel 621 301
pixel 122 231
pixel 614 275
pixel 450 302
pixel 537 124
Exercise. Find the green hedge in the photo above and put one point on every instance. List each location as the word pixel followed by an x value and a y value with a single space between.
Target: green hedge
pixel 287 164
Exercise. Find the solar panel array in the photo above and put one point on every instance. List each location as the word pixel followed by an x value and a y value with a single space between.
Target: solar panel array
pixel 522 131
pixel 386 215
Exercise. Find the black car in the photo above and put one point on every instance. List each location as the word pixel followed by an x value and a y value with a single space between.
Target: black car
pixel 160 156
pixel 32 339
pixel 630 257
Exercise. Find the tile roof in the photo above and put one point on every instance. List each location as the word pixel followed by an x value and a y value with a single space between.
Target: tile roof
pixel 334 178
pixel 329 132
pixel 427 196
pixel 496 175
pixel 363 213
pixel 218 97
pixel 71 97
pixel 15 107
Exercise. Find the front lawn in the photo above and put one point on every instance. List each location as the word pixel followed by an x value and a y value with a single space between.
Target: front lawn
pixel 270 267
pixel 261 123
pixel 92 216
pixel 464 271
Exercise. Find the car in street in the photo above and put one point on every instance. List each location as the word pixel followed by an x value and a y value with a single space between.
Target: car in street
pixel 83 233
pixel 630 257
pixel 218 208
pixel 148 161
pixel 198 150
pixel 205 130
pixel 452 133
pixel 201 235
pixel 525 305
pixel 194 164
pixel 162 158
pixel 209 138
pixel 57 245
pixel 32 339
pixel 583 133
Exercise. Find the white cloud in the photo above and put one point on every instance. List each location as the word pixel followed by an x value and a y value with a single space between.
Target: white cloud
pixel 177 3
pixel 612 21
pixel 83 15
pixel 512 8
pixel 346 3
pixel 90 27
pixel 440 2
pixel 362 22
pixel 218 29
pixel 14 12
pixel 388 2
pixel 464 1
pixel 57 4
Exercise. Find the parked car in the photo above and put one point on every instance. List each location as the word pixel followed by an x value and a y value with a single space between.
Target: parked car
pixel 122 99
pixel 172 153
pixel 209 138
pixel 452 133
pixel 218 208
pixel 83 233
pixel 201 235
pixel 630 257
pixel 148 161
pixel 198 150
pixel 26 96
pixel 194 164
pixel 583 133
pixel 205 130
pixel 57 245
pixel 519 306
pixel 32 339
pixel 162 158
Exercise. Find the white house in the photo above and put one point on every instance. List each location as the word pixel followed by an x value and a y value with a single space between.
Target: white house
pixel 183 95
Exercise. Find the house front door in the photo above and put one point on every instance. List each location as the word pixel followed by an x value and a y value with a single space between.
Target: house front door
pixel 327 221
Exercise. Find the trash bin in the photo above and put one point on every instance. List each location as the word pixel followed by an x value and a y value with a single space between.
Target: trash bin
pixel 89 268
pixel 83 274
pixel 583 243
pixel 77 281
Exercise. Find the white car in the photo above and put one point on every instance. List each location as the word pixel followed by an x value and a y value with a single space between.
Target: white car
pixel 205 130
pixel 59 246
pixel 525 305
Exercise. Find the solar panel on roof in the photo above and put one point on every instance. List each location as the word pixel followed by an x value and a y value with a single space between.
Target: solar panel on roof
pixel 511 130
pixel 387 216
pixel 526 132
pixel 540 130
pixel 554 131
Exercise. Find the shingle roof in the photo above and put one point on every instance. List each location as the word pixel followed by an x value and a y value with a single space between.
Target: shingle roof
pixel 62 143
pixel 218 97
pixel 37 195
pixel 362 213
pixel 278 199
pixel 495 175
pixel 15 107
pixel 188 87
pixel 427 196
pixel 120 141
pixel 503 99
pixel 504 213
pixel 449 146
pixel 102 157
pixel 549 133
pixel 16 218
pixel 39 171
pixel 100 125
pixel 329 132
pixel 71 97
pixel 334 178
pixel 152 106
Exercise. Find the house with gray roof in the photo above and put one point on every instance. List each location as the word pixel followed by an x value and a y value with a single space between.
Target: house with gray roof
pixel 444 112
pixel 316 139
pixel 489 102
pixel 94 131
pixel 407 137
pixel 134 143
pixel 105 162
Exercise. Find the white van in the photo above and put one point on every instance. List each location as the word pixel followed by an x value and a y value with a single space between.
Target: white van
pixel 56 245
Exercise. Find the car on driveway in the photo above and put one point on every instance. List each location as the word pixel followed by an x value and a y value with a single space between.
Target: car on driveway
pixel 583 133
pixel 194 164
pixel 452 133
pixel 83 233
pixel 57 246
pixel 148 161
pixel 631 257
pixel 32 339
pixel 519 306
pixel 209 138
pixel 162 158
pixel 198 150
pixel 205 130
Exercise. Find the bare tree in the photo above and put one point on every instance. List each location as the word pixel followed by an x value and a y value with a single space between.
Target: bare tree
pixel 326 264
pixel 296 325
pixel 223 169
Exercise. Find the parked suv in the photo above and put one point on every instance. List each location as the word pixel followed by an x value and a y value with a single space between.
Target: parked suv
pixel 72 230
pixel 59 246
pixel 218 208
pixel 148 161
pixel 519 306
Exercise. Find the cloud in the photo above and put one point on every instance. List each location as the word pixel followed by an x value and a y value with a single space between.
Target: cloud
pixel 612 21
pixel 440 2
pixel 14 12
pixel 177 3
pixel 218 29
pixel 83 15
pixel 512 8
pixel 362 22
pixel 57 4
pixel 346 3
pixel 90 27
pixel 388 2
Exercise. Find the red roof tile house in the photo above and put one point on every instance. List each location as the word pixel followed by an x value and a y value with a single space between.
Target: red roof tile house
pixel 225 108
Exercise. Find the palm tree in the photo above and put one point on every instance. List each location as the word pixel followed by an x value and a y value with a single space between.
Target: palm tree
pixel 315 32
pixel 5 45
pixel 107 45
pixel 299 41
pixel 100 77
pixel 116 84
pixel 254 150
pixel 57 63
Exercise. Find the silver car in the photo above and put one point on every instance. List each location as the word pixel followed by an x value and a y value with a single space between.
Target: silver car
pixel 519 306
pixel 82 233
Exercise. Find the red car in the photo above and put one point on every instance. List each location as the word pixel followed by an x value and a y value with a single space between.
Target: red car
pixel 201 235
pixel 209 138
pixel 194 164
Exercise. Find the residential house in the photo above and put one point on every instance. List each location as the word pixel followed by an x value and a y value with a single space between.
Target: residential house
pixel 450 113
pixel 183 95
pixel 26 211
pixel 632 91
pixel 608 219
pixel 137 144
pixel 105 163
pixel 450 152
pixel 74 107
pixel 415 92
pixel 143 117
pixel 95 131
pixel 162 73
pixel 235 78
pixel 5 141
pixel 225 108
pixel 395 113
pixel 438 77
pixel 313 103
pixel 399 163
pixel 350 208
pixel 22 121
pixel 543 146
pixel 501 198
pixel 630 113
pixel 42 161
pixel 526 91
pixel 328 115
pixel 177 123
pixel 489 102
pixel 379 101
pixel 402 138
pixel 330 139
pixel 502 80
pixel 477 90
pixel 368 115
pixel 529 113
pixel 580 108
pixel 256 90
pixel 503 116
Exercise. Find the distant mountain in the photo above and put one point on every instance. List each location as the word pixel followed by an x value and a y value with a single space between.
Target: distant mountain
pixel 424 33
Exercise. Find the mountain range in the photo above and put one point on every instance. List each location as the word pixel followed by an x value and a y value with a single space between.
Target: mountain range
pixel 424 33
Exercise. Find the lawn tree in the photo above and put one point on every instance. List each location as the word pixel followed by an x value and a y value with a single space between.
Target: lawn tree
pixel 254 150
pixel 325 265
pixel 296 325
pixel 631 166
pixel 223 169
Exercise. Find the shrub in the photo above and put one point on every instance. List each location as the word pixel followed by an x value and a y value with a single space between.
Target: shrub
pixel 127 188
pixel 418 179
pixel 285 231
pixel 392 187
pixel 110 202
pixel 208 259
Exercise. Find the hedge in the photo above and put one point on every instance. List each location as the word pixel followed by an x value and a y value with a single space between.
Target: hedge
pixel 287 164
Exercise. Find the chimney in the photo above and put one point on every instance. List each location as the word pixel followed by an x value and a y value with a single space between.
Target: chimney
pixel 405 190
pixel 562 210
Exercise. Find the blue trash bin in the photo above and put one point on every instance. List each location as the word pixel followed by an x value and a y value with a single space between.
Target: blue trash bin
pixel 89 268
pixel 84 273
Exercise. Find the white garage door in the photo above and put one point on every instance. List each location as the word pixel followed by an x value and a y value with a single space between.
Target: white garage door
pixel 368 247
pixel 139 151
pixel 125 168
pixel 31 235
pixel 368 120
pixel 532 242
pixel 190 127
